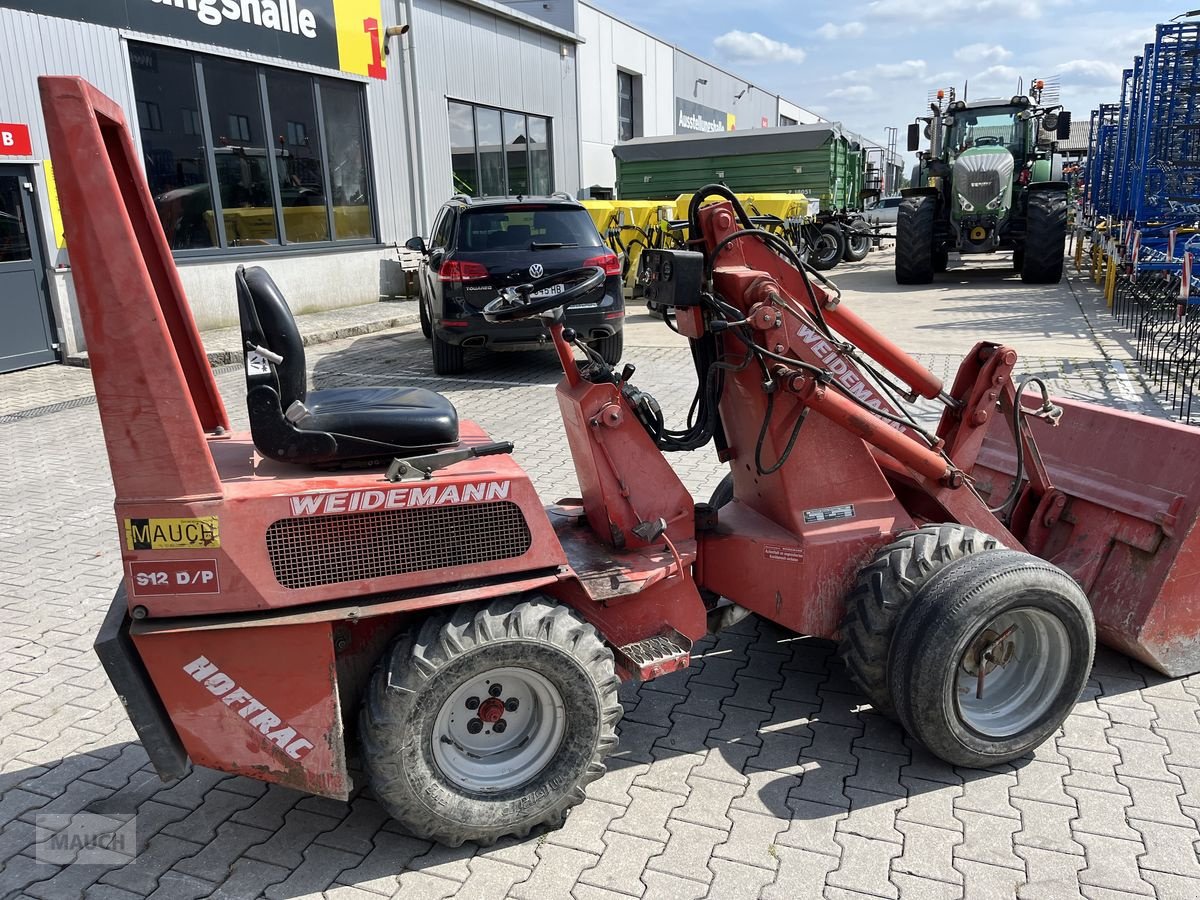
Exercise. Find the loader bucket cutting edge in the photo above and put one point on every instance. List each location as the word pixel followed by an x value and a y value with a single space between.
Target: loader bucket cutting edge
pixel 1125 527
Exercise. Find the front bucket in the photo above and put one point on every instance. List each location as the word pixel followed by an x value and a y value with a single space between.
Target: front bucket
pixel 1127 530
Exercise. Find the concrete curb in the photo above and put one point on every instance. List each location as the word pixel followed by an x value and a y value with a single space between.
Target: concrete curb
pixel 230 352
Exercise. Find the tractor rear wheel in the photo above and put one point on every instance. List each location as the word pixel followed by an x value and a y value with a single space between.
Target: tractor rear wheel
pixel 914 240
pixel 991 656
pixel 858 241
pixel 489 721
pixel 829 245
pixel 1045 238
pixel 882 592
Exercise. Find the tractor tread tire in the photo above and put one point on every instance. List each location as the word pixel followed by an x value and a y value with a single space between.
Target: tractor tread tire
pixel 448 359
pixel 824 264
pixel 1045 238
pixel 403 698
pixel 611 347
pixel 914 241
pixel 951 608
pixel 882 592
pixel 858 241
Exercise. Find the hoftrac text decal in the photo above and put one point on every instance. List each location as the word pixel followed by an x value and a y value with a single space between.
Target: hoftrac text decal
pixel 398 498
pixel 258 717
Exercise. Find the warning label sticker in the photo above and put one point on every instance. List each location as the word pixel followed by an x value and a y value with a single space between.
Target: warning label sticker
pixel 781 553
pixel 828 514
pixel 201 533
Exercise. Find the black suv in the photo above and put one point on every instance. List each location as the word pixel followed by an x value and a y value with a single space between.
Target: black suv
pixel 481 245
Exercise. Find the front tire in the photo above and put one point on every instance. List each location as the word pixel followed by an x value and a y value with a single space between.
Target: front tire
pixel 1045 238
pixel 914 240
pixel 828 248
pixel 426 324
pixel 432 746
pixel 883 591
pixel 991 656
pixel 858 241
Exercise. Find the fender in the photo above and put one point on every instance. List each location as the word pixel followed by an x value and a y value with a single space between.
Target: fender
pixel 1055 186
pixel 919 192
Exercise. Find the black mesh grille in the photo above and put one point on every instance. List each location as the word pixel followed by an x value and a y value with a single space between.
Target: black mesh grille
pixel 306 552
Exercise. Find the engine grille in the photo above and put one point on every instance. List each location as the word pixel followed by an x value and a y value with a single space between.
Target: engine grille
pixel 981 177
pixel 311 551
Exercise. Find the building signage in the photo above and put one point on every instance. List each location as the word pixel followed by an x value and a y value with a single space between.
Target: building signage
pixel 14 139
pixel 332 34
pixel 691 118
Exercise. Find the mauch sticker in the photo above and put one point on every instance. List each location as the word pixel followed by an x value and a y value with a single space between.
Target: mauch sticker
pixel 201 533
pixel 174 576
pixel 782 553
pixel 828 513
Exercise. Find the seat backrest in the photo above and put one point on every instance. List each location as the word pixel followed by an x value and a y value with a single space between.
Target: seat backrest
pixel 267 322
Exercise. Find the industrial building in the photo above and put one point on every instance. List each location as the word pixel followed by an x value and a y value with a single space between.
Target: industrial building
pixel 315 132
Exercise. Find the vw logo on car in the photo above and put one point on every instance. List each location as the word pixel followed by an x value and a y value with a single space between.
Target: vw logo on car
pixel 536 270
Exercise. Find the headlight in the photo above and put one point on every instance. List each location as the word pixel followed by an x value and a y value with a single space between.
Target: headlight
pixel 996 202
pixel 966 204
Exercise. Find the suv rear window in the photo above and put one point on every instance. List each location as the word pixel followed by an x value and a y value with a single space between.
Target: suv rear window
pixel 525 228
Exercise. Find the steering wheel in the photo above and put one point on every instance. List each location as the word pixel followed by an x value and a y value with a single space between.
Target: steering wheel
pixel 989 140
pixel 519 303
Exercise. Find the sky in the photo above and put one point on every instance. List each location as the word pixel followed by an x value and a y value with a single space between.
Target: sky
pixel 870 64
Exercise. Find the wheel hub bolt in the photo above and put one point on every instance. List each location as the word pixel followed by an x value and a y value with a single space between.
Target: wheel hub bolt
pixel 496 690
pixel 511 704
pixel 500 726
pixel 472 703
pixel 475 726
pixel 491 710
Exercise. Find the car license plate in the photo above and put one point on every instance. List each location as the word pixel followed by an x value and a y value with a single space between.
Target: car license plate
pixel 548 292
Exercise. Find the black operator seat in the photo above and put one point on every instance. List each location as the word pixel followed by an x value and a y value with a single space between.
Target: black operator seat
pixel 357 425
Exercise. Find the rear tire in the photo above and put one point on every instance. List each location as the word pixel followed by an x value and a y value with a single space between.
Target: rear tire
pixel 447 357
pixel 1045 237
pixel 914 240
pixel 882 592
pixel 828 248
pixel 610 348
pixel 858 241
pixel 428 763
pixel 1026 623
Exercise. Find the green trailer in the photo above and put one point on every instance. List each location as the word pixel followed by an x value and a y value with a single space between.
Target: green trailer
pixel 824 162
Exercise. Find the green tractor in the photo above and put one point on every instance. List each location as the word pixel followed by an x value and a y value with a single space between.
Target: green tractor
pixel 984 185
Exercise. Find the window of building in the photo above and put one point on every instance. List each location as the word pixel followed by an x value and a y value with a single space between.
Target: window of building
pixel 784 121
pixel 496 152
pixel 287 152
pixel 629 106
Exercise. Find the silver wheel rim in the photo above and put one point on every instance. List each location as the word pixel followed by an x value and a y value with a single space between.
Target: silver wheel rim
pixel 476 755
pixel 826 247
pixel 1025 654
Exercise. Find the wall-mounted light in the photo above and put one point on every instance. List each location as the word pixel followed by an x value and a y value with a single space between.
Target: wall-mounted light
pixel 737 97
pixel 390 32
pixel 701 81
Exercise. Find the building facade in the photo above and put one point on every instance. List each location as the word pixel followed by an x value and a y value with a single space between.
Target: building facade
pixel 314 137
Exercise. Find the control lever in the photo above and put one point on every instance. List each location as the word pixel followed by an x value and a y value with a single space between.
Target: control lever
pixel 417 467
pixel 626 373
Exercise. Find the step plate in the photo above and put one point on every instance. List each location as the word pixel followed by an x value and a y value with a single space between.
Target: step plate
pixel 659 655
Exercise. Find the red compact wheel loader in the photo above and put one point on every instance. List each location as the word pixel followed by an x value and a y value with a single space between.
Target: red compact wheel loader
pixel 364 575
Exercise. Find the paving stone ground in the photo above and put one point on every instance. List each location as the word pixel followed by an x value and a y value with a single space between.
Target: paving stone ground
pixel 758 772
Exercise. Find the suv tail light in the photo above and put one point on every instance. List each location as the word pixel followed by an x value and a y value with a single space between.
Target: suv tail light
pixel 608 262
pixel 455 270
